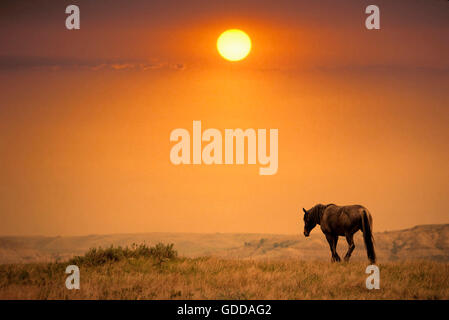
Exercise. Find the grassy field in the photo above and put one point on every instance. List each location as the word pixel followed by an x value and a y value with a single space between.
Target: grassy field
pixel 148 276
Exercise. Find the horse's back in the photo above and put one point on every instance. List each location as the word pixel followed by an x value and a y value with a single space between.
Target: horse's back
pixel 340 220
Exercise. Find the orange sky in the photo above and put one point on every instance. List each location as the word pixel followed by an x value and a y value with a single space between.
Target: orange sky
pixel 85 116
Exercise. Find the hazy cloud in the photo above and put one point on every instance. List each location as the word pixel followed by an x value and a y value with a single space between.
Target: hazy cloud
pixel 17 63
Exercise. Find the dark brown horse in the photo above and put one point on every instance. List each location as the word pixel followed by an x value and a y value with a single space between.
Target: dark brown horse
pixel 344 221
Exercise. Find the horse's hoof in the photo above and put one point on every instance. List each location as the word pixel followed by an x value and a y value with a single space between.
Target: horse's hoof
pixel 337 259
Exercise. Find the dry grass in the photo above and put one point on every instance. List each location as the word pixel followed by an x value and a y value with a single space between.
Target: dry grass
pixel 213 278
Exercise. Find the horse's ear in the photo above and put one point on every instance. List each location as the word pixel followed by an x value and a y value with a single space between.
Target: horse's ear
pixel 305 211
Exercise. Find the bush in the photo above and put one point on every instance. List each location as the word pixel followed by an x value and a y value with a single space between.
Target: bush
pixel 99 256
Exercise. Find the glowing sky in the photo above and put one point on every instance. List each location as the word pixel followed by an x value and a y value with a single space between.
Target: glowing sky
pixel 85 116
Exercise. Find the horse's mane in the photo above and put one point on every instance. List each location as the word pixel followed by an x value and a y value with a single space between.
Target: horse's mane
pixel 317 211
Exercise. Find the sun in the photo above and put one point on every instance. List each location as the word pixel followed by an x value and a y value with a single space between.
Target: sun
pixel 234 45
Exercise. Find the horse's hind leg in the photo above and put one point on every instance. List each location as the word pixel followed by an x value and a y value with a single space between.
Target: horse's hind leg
pixel 337 257
pixel 349 238
pixel 333 246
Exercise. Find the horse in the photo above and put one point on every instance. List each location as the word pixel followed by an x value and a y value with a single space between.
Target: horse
pixel 344 221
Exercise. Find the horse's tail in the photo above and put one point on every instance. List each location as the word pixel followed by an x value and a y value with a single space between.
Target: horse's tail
pixel 367 229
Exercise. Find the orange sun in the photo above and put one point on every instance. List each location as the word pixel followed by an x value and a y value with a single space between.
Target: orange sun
pixel 234 45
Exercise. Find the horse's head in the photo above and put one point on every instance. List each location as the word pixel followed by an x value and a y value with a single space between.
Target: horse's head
pixel 309 222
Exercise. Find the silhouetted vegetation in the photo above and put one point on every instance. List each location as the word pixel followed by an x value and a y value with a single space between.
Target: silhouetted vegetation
pixel 99 256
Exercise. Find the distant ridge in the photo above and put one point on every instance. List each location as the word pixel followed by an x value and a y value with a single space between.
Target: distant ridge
pixel 427 242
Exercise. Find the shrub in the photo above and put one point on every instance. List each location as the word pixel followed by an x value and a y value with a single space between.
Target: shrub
pixel 99 256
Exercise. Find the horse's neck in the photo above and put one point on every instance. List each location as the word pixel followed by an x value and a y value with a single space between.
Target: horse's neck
pixel 318 214
pixel 320 211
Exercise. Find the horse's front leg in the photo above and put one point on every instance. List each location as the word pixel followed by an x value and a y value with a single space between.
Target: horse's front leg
pixel 351 246
pixel 332 240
